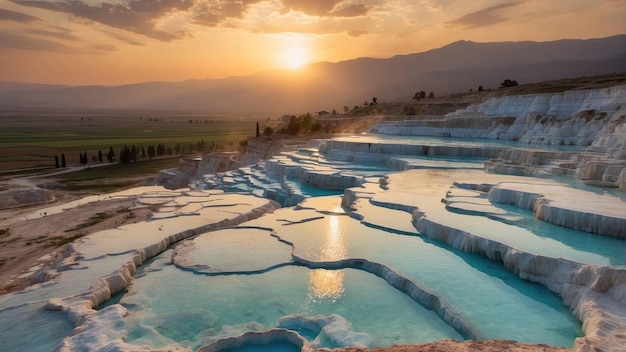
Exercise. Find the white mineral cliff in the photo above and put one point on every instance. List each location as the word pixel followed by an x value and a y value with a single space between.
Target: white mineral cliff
pixel 571 118
pixel 588 118
pixel 592 118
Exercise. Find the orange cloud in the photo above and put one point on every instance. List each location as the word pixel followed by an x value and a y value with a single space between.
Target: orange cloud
pixel 13 41
pixel 482 18
pixel 8 15
pixel 325 8
pixel 216 12
pixel 137 16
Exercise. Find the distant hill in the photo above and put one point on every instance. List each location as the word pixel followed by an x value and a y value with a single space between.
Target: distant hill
pixel 456 67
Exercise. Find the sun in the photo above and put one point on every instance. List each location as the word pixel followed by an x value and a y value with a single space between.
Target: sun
pixel 294 51
pixel 295 57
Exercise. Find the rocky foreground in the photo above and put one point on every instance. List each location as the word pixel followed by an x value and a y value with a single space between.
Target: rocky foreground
pixel 466 346
pixel 27 246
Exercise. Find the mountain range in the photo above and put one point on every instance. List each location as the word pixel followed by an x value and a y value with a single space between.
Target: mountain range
pixel 456 67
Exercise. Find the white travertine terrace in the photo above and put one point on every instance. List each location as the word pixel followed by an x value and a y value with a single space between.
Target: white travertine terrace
pixel 565 206
pixel 333 327
pixel 591 118
pixel 258 338
pixel 101 264
pixel 570 118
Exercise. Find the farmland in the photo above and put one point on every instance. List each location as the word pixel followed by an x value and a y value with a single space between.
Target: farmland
pixel 31 142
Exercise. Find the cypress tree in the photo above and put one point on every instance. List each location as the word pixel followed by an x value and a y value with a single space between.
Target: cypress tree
pixel 124 155
pixel 56 161
pixel 63 160
pixel 258 131
pixel 133 153
pixel 111 155
pixel 151 152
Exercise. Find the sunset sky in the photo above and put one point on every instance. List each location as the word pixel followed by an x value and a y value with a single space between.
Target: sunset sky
pixel 111 42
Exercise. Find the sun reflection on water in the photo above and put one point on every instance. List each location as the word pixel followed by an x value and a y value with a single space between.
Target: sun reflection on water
pixel 325 285
pixel 334 246
pixel 328 284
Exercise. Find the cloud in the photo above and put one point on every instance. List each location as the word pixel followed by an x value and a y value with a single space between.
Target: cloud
pixel 432 6
pixel 139 16
pixel 325 8
pixel 12 41
pixel 9 15
pixel 168 20
pixel 350 10
pixel 65 34
pixel 314 8
pixel 124 39
pixel 482 18
pixel 440 5
pixel 213 13
pixel 357 33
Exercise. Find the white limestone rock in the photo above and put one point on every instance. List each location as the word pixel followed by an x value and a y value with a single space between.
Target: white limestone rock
pixel 333 329
pixel 565 206
pixel 257 338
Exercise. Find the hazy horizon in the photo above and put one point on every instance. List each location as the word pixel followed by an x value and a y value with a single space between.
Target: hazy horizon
pixel 92 42
pixel 299 71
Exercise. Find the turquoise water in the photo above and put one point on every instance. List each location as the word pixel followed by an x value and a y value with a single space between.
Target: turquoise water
pixel 205 306
pixel 608 250
pixel 309 191
pixel 199 308
pixel 461 142
pixel 524 231
pixel 492 302
pixel 495 302
pixel 31 328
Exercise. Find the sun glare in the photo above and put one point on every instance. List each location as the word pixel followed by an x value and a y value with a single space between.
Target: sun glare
pixel 295 57
pixel 294 51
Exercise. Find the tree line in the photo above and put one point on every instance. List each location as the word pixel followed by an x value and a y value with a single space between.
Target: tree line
pixel 132 153
pixel 301 124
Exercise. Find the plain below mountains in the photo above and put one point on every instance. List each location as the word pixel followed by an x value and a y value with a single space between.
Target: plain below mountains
pixel 456 67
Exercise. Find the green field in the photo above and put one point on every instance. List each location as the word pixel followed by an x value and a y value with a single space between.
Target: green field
pixel 28 142
pixel 113 176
